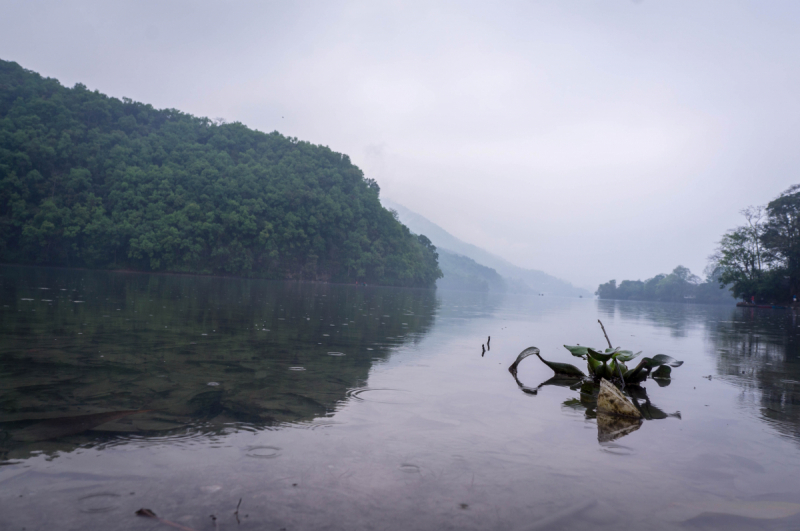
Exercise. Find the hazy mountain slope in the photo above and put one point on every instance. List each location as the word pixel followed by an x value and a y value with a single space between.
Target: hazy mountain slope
pixel 462 273
pixel 443 240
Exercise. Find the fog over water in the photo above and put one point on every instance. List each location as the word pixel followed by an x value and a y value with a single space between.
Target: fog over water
pixel 591 140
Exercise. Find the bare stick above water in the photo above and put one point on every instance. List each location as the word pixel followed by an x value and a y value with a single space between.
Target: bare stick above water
pixel 604 333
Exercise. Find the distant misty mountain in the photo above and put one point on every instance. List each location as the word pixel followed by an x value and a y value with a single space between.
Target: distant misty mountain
pixel 465 274
pixel 457 260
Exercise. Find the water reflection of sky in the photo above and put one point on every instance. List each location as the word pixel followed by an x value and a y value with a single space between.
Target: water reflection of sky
pixel 410 428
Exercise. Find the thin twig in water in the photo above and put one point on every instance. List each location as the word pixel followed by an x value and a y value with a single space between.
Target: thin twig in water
pixel 236 513
pixel 150 514
pixel 604 333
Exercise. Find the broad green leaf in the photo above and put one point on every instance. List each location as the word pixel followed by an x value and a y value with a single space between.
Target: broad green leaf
pixel 561 369
pixel 564 369
pixel 593 364
pixel 663 359
pixel 530 351
pixel 600 356
pixel 577 350
pixel 626 355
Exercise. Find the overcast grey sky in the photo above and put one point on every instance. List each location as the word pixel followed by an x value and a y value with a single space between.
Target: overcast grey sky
pixel 591 139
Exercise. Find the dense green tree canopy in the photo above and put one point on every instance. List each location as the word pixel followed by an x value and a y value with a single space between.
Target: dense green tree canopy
pixel 761 259
pixel 679 286
pixel 93 181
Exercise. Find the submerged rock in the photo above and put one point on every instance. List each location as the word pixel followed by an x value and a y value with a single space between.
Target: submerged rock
pixel 611 401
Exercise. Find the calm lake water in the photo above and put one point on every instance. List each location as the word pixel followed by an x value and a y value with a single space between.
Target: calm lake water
pixel 344 407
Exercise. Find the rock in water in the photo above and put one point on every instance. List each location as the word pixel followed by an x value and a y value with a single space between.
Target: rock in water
pixel 611 428
pixel 611 401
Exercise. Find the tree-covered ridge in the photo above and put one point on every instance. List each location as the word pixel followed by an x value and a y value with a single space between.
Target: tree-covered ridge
pixel 679 286
pixel 94 181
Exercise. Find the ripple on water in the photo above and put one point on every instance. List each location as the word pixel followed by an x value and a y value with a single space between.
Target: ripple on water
pixel 263 452
pixel 297 368
pixel 381 396
pixel 408 468
pixel 616 449
pixel 101 502
pixel 335 353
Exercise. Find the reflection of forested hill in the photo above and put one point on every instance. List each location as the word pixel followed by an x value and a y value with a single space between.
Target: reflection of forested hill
pixel 92 181
pixel 279 352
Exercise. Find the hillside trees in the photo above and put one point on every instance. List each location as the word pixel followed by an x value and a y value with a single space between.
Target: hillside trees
pixel 92 181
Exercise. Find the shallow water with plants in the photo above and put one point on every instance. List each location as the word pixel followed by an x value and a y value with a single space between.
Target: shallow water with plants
pixel 276 405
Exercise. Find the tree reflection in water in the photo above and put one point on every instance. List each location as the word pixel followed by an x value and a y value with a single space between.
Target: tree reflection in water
pixel 83 351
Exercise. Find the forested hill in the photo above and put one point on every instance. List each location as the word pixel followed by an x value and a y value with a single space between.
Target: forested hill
pixel 92 181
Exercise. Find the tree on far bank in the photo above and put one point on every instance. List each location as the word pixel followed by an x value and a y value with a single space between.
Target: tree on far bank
pixel 679 286
pixel 761 259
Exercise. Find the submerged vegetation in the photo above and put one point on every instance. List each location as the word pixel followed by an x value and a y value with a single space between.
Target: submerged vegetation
pixel 87 180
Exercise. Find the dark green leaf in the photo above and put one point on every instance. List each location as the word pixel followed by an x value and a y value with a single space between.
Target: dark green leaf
pixel 577 350
pixel 663 359
pixel 600 356
pixel 593 364
pixel 561 369
pixel 626 355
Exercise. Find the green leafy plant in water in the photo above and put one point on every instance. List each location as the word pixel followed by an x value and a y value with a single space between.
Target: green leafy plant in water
pixel 609 364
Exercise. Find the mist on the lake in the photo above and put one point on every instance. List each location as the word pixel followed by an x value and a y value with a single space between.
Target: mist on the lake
pixel 589 140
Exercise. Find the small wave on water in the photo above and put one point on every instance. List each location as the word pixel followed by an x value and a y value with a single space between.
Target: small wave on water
pixel 101 502
pixel 179 437
pixel 616 449
pixel 381 396
pixel 262 452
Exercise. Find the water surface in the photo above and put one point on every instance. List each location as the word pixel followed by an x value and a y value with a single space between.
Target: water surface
pixel 345 407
